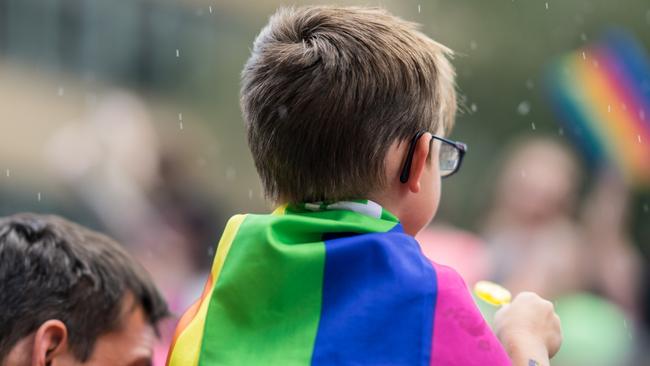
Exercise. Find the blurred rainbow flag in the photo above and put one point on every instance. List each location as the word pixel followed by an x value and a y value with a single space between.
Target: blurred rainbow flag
pixel 602 94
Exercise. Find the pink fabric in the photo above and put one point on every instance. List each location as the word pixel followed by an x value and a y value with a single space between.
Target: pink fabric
pixel 461 337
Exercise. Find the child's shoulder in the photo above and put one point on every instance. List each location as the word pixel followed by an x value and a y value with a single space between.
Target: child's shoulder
pixel 448 277
pixel 450 285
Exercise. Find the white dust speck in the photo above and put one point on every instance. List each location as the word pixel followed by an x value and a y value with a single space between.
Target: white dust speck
pixel 38 196
pixel 642 114
pixel 532 125
pixel 583 37
pixel 473 45
pixel 250 194
pixel 230 173
pixel 530 84
pixel 8 173
pixel 211 251
pixel 523 108
pixel 180 125
pixel 609 108
pixel 419 10
pixel 210 9
pixel 547 6
pixel 473 107
pixel 178 53
pixel 638 137
pixel 584 55
pixel 180 116
pixel 60 92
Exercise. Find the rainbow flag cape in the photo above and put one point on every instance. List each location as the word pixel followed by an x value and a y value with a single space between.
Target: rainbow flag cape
pixel 330 284
pixel 602 93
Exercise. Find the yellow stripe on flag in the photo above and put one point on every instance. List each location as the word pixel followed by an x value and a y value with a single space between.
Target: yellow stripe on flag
pixel 280 210
pixel 186 346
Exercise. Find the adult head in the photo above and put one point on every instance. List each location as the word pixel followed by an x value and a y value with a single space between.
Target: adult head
pixel 72 296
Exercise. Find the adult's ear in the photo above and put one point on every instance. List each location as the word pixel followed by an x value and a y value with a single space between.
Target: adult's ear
pixel 419 163
pixel 50 342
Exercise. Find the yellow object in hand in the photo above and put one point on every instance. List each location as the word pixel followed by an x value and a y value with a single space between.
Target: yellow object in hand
pixel 492 293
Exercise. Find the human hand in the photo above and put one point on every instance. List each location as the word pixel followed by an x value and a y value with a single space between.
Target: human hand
pixel 529 330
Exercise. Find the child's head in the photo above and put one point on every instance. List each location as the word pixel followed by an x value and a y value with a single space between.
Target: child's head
pixel 328 90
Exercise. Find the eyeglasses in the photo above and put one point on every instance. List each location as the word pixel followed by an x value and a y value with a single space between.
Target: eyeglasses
pixel 451 155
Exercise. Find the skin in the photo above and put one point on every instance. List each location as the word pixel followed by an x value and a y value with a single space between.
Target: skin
pixel 129 345
pixel 415 202
pixel 528 328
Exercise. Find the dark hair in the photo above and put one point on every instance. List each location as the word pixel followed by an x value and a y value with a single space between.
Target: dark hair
pixel 51 268
pixel 327 90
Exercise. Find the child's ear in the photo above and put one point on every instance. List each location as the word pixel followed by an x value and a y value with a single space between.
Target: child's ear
pixel 420 155
pixel 50 342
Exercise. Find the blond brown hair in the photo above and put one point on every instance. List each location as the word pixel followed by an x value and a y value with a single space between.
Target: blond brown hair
pixel 327 90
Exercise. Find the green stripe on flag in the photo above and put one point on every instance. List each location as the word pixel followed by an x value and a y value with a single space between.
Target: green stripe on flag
pixel 266 304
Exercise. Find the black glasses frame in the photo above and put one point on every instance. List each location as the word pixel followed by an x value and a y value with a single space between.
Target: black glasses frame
pixel 406 168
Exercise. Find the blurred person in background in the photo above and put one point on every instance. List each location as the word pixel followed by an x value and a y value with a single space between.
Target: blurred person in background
pixel 615 261
pixel 540 240
pixel 614 271
pixel 534 241
pixel 72 296
pixel 117 165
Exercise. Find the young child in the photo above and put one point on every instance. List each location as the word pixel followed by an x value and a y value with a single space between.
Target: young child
pixel 345 109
